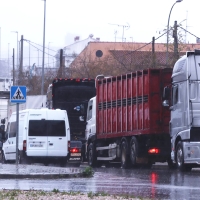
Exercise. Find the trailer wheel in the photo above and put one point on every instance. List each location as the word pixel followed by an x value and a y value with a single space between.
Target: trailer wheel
pixel 180 158
pixel 124 155
pixel 91 156
pixel 133 151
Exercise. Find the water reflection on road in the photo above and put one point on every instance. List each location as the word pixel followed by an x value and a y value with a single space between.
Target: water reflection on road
pixel 155 183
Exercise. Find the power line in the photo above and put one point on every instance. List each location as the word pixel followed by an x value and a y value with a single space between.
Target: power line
pixel 39 45
pixel 38 48
pixel 188 32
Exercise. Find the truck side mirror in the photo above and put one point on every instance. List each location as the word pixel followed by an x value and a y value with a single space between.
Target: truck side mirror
pixel 82 108
pixel 166 93
pixel 165 103
pixel 81 118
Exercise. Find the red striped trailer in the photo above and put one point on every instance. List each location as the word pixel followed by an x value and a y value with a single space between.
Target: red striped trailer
pixel 126 121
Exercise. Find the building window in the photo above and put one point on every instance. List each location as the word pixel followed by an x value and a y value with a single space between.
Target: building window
pixel 99 53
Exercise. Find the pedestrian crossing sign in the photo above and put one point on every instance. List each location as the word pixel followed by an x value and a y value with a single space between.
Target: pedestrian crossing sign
pixel 18 94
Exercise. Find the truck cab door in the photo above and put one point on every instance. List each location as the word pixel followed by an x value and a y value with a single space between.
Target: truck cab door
pixel 90 126
pixel 175 122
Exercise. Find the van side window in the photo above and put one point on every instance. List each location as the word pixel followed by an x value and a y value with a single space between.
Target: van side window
pixel 47 128
pixel 13 129
pixel 174 94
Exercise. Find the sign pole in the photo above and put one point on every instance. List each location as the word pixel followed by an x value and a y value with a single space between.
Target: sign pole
pixel 17 95
pixel 17 132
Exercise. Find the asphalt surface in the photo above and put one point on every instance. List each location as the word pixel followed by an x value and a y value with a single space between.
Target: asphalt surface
pixel 8 171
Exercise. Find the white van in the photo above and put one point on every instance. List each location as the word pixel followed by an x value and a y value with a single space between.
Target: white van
pixel 43 133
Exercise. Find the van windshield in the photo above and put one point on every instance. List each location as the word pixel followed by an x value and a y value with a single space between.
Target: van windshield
pixel 47 128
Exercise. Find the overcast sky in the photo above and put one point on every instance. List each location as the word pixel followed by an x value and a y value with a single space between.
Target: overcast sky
pixel 105 19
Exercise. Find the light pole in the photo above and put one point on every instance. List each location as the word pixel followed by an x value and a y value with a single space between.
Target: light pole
pixel 42 88
pixel 177 1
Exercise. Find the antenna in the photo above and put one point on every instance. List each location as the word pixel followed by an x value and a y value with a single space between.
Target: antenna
pixel 123 26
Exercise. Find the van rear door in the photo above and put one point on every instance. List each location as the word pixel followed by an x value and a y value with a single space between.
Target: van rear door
pixel 58 133
pixel 37 134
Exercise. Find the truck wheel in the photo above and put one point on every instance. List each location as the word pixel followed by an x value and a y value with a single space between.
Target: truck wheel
pixel 171 165
pixel 124 155
pixel 180 158
pixel 133 151
pixel 91 156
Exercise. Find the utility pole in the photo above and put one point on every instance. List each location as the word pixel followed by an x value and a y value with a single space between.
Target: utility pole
pixel 61 63
pixel 29 55
pixel 21 61
pixel 8 59
pixel 42 88
pixel 176 54
pixel 153 53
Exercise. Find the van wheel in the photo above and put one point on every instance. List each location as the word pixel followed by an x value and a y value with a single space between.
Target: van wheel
pixel 124 155
pixel 3 159
pixel 63 162
pixel 133 151
pixel 180 158
pixel 1 156
pixel 22 159
pixel 91 156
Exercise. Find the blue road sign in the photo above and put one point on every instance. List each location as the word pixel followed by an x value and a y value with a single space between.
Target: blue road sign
pixel 18 94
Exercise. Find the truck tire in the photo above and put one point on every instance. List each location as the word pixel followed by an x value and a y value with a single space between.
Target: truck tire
pixel 180 158
pixel 91 156
pixel 133 151
pixel 170 163
pixel 124 155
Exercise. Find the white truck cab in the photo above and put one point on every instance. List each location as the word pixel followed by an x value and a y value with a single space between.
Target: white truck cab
pixel 185 111
pixel 42 133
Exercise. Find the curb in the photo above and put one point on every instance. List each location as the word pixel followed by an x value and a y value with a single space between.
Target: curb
pixel 40 176
pixel 9 171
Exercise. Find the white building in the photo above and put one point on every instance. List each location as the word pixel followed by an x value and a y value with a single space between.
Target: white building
pixel 5 84
pixel 71 51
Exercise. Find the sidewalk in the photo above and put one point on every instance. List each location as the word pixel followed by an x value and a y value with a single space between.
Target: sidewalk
pixel 8 171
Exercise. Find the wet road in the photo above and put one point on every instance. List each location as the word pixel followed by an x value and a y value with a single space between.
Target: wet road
pixel 155 183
